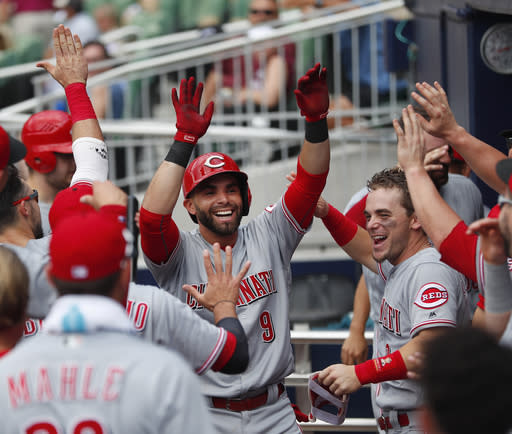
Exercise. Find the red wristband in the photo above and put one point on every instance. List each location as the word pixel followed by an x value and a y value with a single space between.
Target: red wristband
pixel 185 137
pixel 79 103
pixel 386 368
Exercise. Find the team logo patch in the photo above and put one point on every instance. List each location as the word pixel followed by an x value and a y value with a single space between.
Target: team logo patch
pixel 431 295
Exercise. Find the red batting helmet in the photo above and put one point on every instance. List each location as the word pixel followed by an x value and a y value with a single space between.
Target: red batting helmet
pixel 43 134
pixel 211 164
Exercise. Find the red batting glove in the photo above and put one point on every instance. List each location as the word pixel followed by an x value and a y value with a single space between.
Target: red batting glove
pixel 312 94
pixel 190 123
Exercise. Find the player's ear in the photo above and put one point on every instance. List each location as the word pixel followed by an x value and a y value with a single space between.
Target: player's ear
pixel 189 206
pixel 414 222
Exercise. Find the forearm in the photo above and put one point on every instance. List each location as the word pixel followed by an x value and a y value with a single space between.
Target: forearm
pixel 85 123
pixel 315 153
pixel 458 250
pixel 436 217
pixel 353 239
pixel 361 308
pixel 164 189
pixel 498 288
pixel 480 156
pixel 235 356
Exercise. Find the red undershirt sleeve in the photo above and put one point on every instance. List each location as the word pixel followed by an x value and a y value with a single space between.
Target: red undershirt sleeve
pixel 159 235
pixel 341 228
pixel 356 212
pixel 302 195
pixel 458 250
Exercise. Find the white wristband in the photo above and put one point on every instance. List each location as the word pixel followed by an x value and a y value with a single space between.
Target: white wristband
pixel 498 288
pixel 91 159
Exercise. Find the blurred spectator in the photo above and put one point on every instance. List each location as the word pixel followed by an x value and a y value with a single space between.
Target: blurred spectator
pixel 150 17
pixel 107 100
pixel 71 13
pixel 271 74
pixel 107 17
pixel 33 18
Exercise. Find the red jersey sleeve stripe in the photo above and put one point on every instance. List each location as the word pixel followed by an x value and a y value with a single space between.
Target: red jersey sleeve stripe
pixel 217 350
pixel 441 323
pixel 227 352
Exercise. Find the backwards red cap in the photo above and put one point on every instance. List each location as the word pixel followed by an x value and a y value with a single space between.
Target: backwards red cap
pixel 67 203
pixel 88 246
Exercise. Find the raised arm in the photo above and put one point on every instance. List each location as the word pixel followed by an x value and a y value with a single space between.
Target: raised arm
pixel 71 73
pixel 89 149
pixel 479 155
pixel 313 163
pixel 436 216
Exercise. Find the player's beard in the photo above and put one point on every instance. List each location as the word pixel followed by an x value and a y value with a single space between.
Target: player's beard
pixel 208 221
pixel 440 177
pixel 38 231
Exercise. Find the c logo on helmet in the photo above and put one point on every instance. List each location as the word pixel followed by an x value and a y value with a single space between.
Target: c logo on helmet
pixel 209 161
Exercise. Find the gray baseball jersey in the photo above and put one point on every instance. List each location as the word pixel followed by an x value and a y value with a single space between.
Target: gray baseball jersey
pixel 420 293
pixel 41 293
pixel 44 207
pixel 162 319
pixel 268 241
pixel 89 374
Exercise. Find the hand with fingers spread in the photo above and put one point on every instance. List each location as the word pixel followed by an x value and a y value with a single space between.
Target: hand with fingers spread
pixel 71 66
pixel 312 94
pixel 411 142
pixel 433 99
pixel 223 287
pixel 190 123
pixel 492 243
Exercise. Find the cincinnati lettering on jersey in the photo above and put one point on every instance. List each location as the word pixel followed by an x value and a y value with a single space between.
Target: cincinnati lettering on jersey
pixel 252 288
pixel 390 318
pixel 67 382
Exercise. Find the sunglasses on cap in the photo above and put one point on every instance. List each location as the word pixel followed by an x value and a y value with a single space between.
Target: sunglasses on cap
pixel 267 12
pixel 34 195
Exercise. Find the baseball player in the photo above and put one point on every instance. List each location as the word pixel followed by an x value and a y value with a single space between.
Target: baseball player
pixel 495 247
pixel 445 228
pixel 217 195
pixel 51 166
pixel 11 151
pixel 422 296
pixel 90 366
pixel 13 299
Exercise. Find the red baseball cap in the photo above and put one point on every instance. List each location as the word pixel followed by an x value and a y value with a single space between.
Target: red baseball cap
pixel 67 203
pixel 11 150
pixel 88 246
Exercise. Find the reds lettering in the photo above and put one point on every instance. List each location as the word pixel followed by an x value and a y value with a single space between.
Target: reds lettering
pixel 252 288
pixel 68 382
pixel 390 318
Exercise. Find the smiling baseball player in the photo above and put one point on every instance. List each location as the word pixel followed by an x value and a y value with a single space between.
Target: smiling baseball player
pixel 217 195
